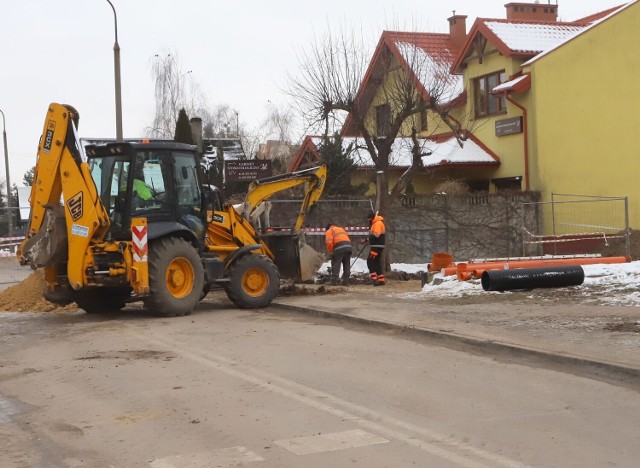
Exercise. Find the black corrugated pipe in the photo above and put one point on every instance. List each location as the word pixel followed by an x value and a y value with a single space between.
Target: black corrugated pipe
pixel 530 278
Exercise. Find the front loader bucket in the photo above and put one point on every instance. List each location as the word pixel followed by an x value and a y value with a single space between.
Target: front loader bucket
pixel 294 258
pixel 49 245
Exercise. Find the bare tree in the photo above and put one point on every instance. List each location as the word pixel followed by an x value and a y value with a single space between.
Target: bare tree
pixel 330 77
pixel 279 123
pixel 169 94
pixel 250 141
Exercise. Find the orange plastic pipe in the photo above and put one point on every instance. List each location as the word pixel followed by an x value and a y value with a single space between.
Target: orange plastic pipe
pixel 449 271
pixel 461 268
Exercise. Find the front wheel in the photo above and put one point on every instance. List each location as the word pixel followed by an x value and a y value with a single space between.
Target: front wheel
pixel 176 277
pixel 254 282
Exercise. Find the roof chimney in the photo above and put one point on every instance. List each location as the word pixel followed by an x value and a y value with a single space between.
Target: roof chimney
pixel 458 29
pixel 532 12
pixel 196 133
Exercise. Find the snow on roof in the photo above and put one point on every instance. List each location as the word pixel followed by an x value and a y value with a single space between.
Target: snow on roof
pixel 231 149
pixel 432 72
pixel 532 37
pixel 596 22
pixel 508 85
pixel 435 154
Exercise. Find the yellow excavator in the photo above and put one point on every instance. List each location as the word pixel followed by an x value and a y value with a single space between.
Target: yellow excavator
pixel 131 221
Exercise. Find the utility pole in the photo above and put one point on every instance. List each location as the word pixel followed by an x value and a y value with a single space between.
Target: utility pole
pixel 116 69
pixel 6 168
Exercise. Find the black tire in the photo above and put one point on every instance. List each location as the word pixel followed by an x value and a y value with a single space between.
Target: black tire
pixel 205 290
pixel 176 277
pixel 102 300
pixel 254 282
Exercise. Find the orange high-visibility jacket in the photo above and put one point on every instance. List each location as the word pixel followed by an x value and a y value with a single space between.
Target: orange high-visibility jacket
pixel 336 238
pixel 377 232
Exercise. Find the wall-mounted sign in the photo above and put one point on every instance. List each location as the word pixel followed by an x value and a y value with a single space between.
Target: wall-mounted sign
pixel 509 126
pixel 246 170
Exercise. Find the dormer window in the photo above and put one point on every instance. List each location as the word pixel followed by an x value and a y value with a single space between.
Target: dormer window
pixel 485 103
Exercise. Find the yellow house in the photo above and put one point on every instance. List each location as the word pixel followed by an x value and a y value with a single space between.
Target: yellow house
pixel 549 103
pixel 500 109
pixel 419 56
pixel 586 97
pixel 555 101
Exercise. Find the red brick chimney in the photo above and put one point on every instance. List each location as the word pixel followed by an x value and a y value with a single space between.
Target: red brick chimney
pixel 458 29
pixel 532 11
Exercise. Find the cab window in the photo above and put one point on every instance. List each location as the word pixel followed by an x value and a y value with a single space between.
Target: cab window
pixel 187 188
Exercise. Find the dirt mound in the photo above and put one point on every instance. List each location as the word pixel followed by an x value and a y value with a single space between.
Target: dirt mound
pixel 304 290
pixel 27 296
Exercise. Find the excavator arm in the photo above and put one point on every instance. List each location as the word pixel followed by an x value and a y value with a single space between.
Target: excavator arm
pixel 67 214
pixel 294 257
pixel 263 189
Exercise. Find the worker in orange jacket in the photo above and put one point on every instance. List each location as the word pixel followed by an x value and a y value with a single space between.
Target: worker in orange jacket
pixel 339 246
pixel 376 247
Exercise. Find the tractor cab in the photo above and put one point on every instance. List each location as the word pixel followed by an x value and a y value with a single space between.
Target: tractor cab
pixel 155 180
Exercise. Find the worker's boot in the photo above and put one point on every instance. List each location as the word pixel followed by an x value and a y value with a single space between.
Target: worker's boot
pixel 344 282
pixel 374 279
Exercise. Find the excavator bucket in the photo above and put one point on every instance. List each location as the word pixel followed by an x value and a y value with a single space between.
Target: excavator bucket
pixel 49 245
pixel 310 259
pixel 294 258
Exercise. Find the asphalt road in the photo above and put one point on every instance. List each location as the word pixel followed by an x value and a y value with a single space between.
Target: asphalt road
pixel 225 387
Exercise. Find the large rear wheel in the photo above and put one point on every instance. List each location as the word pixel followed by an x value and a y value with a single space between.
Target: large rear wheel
pixel 176 277
pixel 253 282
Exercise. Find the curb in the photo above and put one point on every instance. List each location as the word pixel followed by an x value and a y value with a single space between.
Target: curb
pixel 585 367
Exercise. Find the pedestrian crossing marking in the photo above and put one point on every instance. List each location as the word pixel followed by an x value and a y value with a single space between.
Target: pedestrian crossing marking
pixel 330 442
pixel 221 458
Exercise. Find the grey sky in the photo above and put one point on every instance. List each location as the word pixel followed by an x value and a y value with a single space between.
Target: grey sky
pixel 239 53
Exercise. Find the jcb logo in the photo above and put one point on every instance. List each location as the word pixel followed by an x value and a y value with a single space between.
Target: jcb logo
pixel 75 206
pixel 48 136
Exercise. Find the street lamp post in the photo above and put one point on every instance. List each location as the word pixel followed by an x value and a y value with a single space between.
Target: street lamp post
pixel 116 69
pixel 6 167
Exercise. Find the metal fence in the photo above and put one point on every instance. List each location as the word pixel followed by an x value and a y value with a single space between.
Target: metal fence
pixel 13 228
pixel 577 224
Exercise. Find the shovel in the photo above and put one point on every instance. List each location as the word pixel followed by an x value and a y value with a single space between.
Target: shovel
pixel 358 256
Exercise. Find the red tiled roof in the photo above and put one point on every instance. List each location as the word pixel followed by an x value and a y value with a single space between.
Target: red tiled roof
pixel 436 45
pixel 505 43
pixel 480 27
pixel 597 16
pixel 443 147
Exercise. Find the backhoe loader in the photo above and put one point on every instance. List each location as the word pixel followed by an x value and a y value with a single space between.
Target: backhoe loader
pixel 130 221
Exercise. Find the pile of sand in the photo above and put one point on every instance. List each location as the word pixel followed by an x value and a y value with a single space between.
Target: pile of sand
pixel 27 296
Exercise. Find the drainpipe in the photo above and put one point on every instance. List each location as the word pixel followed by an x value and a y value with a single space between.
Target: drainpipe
pixel 526 140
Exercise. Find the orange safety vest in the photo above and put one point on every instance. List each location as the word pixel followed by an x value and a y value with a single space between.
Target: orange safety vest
pixel 336 238
pixel 377 232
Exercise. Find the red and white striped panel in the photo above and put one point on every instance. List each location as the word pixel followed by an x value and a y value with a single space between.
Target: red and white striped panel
pixel 351 230
pixel 140 246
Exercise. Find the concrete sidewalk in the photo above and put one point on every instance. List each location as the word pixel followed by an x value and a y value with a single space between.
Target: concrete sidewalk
pixel 583 339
